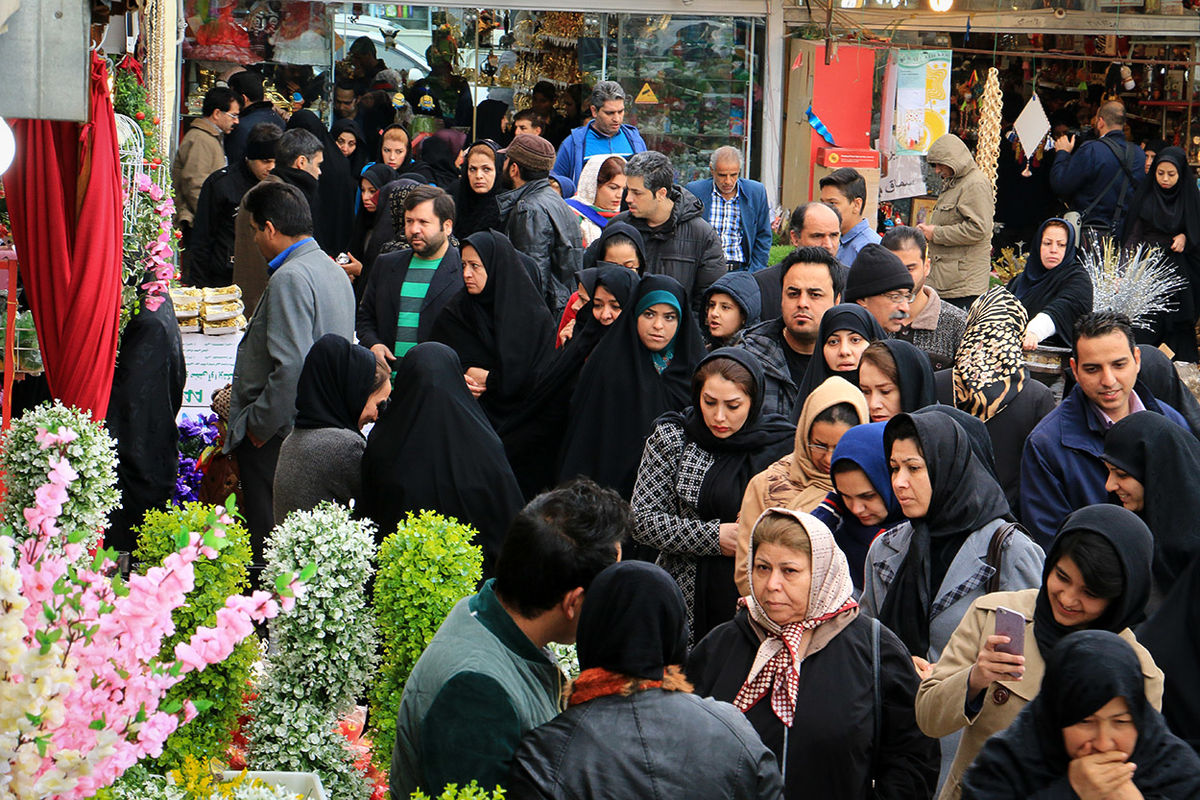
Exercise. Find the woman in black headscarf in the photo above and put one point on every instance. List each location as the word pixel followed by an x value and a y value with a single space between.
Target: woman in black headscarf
pixel 336 187
pixel 371 182
pixel 1170 634
pixel 475 207
pixel 435 450
pixel 895 377
pixel 539 424
pixel 631 711
pixel 502 334
pixel 1054 287
pixel 1096 577
pixel 625 385
pixel 346 131
pixel 619 243
pixel 1152 469
pixel 922 576
pixel 1165 212
pixel 694 472
pixel 1090 732
pixel 1162 379
pixel 844 333
pixel 437 154
pixel 341 388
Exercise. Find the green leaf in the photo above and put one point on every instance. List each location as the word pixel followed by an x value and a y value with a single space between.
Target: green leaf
pixel 308 572
pixel 282 581
pixel 34 719
pixel 171 707
pixel 181 539
pixel 98 725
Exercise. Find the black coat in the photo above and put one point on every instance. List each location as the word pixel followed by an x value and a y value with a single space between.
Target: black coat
pixel 147 394
pixel 653 743
pixel 213 230
pixel 253 114
pixel 1008 428
pixel 375 321
pixel 829 748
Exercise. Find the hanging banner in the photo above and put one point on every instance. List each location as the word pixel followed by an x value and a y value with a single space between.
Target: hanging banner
pixel 922 99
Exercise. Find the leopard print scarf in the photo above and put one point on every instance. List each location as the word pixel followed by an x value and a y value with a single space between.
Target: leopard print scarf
pixel 989 367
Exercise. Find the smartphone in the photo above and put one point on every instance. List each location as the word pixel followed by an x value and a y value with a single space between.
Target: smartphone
pixel 1011 624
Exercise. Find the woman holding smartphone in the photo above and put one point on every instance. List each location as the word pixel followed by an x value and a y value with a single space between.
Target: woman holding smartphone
pixel 1097 577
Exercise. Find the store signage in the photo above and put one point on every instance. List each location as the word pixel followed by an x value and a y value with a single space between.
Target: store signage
pixel 646 95
pixel 209 367
pixel 922 99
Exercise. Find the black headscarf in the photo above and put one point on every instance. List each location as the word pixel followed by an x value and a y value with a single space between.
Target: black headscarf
pixel 620 393
pixel 437 154
pixel 973 427
pixel 336 187
pixel 434 449
pixel 1165 459
pixel 1170 636
pixel 539 424
pixel 1134 545
pixel 595 251
pixel 965 497
pixel 362 153
pixel 1162 379
pixel 380 175
pixel 1174 210
pixel 843 317
pixel 473 211
pixel 1063 293
pixel 1083 673
pixel 917 387
pixel 505 329
pixel 633 622
pixel 334 384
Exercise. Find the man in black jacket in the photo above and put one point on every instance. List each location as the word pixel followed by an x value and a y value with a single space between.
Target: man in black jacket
pixel 407 289
pixel 213 231
pixel 679 240
pixel 248 85
pixel 538 221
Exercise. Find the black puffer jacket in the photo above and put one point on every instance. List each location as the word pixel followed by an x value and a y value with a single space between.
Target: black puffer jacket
pixel 653 743
pixel 541 225
pixel 685 246
pixel 213 230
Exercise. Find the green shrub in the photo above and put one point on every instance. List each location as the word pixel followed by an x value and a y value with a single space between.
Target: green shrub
pixel 777 253
pixel 425 567
pixel 224 684
pixel 322 653
pixel 468 792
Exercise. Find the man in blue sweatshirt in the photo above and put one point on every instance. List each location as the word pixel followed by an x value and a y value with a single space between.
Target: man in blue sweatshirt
pixel 604 134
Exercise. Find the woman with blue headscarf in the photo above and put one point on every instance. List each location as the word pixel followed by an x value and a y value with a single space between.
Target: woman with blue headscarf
pixel 1054 287
pixel 862 494
pixel 642 369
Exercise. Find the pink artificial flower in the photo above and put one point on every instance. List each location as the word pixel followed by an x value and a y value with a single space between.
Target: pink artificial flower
pixel 156 192
pixel 61 472
pixel 153 302
pixel 144 183
pixel 189 711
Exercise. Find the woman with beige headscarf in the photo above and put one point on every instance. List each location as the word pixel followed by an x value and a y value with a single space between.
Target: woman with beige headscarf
pixel 801 480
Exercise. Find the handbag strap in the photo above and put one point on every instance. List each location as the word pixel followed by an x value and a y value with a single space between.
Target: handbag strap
pixel 995 554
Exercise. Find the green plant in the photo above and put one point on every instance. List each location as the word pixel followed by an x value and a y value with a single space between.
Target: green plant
pixel 469 792
pixel 26 463
pixel 217 690
pixel 322 654
pixel 131 99
pixel 425 567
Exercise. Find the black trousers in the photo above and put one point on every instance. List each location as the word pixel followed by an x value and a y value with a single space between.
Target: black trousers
pixel 256 468
pixel 962 302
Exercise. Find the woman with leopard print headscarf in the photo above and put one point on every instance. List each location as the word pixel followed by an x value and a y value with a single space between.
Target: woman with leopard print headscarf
pixel 991 382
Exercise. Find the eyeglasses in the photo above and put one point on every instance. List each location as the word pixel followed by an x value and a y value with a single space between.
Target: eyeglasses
pixel 899 297
pixel 817 447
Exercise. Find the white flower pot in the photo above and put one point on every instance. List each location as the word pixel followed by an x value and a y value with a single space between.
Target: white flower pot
pixel 306 784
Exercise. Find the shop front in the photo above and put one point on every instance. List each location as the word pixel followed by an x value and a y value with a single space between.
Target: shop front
pixel 697 72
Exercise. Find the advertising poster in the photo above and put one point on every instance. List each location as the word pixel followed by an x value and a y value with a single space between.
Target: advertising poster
pixel 922 99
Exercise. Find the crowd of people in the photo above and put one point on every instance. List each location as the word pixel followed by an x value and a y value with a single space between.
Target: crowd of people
pixel 845 476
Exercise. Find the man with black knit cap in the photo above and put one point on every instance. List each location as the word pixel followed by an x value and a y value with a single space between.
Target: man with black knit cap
pixel 538 221
pixel 880 283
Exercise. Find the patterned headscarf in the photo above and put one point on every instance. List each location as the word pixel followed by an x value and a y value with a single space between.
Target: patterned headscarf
pixel 830 598
pixel 989 367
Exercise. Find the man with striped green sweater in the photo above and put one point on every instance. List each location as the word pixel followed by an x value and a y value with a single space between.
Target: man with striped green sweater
pixel 408 289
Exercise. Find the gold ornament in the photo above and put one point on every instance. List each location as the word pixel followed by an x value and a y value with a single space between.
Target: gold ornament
pixel 987 152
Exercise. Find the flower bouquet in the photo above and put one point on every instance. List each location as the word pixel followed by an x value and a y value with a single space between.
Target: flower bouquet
pixel 199 441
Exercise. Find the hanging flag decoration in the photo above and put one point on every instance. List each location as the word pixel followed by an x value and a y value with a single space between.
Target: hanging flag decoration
pixel 819 126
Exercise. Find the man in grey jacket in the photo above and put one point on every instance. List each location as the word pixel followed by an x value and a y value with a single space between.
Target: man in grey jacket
pixel 680 242
pixel 307 296
pixel 538 221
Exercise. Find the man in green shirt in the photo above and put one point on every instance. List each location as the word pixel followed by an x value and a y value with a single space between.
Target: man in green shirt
pixel 409 288
pixel 486 678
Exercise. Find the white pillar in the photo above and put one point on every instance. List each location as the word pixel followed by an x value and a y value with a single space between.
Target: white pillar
pixel 771 152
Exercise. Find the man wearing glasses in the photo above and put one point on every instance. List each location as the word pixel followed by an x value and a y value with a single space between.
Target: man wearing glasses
pixel 879 283
pixel 201 153
pixel 933 326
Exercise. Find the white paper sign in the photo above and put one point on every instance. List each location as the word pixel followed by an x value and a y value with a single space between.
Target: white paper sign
pixel 1031 126
pixel 905 178
pixel 209 362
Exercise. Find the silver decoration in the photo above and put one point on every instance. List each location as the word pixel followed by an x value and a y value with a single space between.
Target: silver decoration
pixel 1136 281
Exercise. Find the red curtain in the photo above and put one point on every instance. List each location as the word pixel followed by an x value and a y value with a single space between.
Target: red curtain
pixel 64 197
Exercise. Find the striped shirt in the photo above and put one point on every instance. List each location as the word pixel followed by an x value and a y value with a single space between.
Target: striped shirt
pixel 727 220
pixel 412 296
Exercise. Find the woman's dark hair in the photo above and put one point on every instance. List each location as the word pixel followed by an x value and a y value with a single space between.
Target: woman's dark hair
pixel 1062 226
pixel 900 428
pixel 611 168
pixel 840 414
pixel 383 374
pixel 1097 560
pixel 559 542
pixel 619 239
pixel 878 356
pixel 726 368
